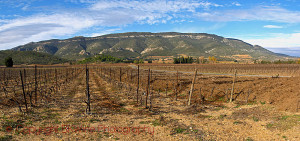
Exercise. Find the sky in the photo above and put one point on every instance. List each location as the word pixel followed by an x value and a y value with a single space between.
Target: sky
pixel 273 24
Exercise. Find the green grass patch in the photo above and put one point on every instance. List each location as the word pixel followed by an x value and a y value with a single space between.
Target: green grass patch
pixel 124 110
pixel 222 116
pixel 284 117
pixel 249 139
pixel 237 106
pixel 262 102
pixel 6 138
pixel 94 120
pixel 29 122
pixel 251 103
pixel 222 99
pixel 11 124
pixel 204 116
pixel 182 95
pixel 256 119
pixel 122 104
pixel 237 122
pixel 144 122
pixel 179 130
pixel 156 123
pixel 285 122
pixel 269 125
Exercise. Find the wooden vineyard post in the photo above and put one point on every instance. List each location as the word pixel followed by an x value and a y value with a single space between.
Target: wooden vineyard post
pixel 35 84
pixel 3 76
pixel 56 85
pixel 201 96
pixel 24 79
pixel 23 91
pixel 45 78
pixel 114 75
pixel 298 106
pixel 120 74
pixel 226 94
pixel 127 74
pixel 212 92
pixel 88 109
pixel 138 83
pixel 177 79
pixel 110 73
pixel 175 90
pixel 232 89
pixel 166 90
pixel 131 76
pixel 150 98
pixel 9 74
pixel 147 88
pixel 192 87
pixel 249 91
pixel 176 87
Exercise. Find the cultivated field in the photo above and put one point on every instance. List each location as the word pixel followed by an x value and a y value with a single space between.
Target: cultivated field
pixel 150 102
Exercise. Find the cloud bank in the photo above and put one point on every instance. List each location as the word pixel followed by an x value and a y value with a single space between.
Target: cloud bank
pixel 114 15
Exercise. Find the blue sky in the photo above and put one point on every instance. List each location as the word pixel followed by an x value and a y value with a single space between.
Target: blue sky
pixel 273 24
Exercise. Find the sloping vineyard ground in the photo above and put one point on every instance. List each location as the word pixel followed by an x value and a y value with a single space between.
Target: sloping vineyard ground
pixel 263 108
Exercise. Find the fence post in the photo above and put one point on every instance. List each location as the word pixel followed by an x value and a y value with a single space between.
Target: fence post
pixel 138 83
pixel 120 74
pixel 56 85
pixel 151 98
pixel 232 90
pixel 35 84
pixel 88 110
pixel 147 88
pixel 192 87
pixel 23 91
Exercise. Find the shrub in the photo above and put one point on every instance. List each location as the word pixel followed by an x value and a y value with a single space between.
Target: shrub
pixel 9 62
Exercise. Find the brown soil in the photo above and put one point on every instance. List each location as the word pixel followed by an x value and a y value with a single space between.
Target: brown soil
pixel 270 113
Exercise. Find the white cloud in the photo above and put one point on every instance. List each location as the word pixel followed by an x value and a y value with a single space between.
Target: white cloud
pixel 278 41
pixel 105 32
pixel 41 27
pixel 272 26
pixel 236 4
pixel 118 13
pixel 160 6
pixel 198 29
pixel 267 13
pixel 99 13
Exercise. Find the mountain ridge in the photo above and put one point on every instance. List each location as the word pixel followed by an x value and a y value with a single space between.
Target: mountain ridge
pixel 30 57
pixel 143 44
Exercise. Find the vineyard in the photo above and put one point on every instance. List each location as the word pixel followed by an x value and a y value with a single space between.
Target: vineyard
pixel 150 102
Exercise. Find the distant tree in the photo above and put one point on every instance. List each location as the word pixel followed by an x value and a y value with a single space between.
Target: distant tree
pixel 201 60
pixel 183 60
pixel 136 61
pixel 141 61
pixel 298 62
pixel 198 60
pixel 255 61
pixel 212 59
pixel 9 62
pixel 265 62
pixel 176 60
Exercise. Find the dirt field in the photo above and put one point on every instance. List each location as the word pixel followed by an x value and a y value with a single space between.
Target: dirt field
pixel 263 108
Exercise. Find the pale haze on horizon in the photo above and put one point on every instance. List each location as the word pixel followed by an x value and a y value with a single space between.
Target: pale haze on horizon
pixel 273 24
